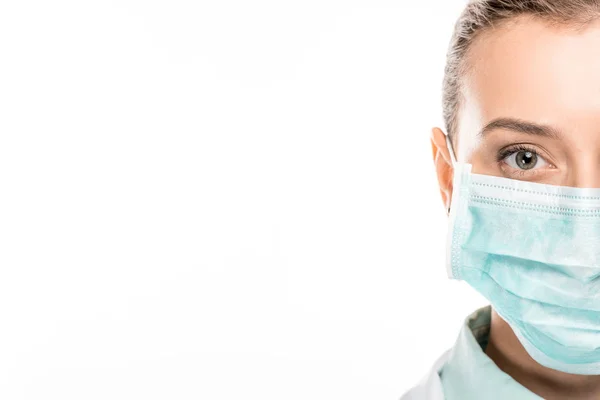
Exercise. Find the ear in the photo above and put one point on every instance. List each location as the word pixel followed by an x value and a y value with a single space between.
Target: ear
pixel 443 164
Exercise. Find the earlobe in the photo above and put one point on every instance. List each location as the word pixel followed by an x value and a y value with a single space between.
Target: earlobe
pixel 443 165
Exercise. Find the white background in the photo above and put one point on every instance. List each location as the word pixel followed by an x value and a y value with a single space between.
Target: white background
pixel 222 199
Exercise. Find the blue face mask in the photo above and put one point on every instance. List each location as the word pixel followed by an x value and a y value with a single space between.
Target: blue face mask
pixel 533 250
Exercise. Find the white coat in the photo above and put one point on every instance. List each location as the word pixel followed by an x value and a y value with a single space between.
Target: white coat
pixel 430 387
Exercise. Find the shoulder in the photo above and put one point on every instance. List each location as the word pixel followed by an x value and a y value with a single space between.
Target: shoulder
pixel 430 386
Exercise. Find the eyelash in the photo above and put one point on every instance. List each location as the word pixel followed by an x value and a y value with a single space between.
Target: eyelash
pixel 517 173
pixel 502 154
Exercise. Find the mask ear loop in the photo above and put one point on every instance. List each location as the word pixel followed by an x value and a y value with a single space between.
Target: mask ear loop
pixel 452 156
pixel 450 150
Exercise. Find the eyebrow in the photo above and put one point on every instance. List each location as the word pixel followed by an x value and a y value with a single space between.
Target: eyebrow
pixel 519 125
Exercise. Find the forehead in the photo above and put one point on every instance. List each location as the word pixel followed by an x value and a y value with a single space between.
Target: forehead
pixel 528 69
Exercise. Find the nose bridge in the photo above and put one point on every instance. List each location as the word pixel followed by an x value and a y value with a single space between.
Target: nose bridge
pixel 585 170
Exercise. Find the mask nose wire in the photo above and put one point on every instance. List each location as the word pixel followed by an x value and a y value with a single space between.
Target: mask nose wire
pixel 450 150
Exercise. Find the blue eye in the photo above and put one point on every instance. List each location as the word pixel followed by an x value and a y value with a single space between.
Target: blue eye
pixel 525 160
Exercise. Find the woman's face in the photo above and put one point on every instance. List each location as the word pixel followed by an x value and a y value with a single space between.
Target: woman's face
pixel 532 107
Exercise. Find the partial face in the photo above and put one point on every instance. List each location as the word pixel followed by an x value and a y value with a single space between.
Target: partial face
pixel 532 109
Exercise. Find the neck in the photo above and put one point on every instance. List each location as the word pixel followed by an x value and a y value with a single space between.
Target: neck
pixel 511 357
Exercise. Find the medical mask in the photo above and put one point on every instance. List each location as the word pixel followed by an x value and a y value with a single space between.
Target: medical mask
pixel 533 250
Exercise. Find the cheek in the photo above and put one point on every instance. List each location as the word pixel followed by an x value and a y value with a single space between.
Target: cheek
pixel 484 162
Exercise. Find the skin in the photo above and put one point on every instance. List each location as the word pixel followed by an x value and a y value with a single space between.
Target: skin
pixel 549 76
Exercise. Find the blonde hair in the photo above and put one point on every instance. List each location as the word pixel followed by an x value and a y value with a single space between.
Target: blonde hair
pixel 479 16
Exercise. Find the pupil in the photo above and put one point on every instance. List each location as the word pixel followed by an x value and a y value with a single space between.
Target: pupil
pixel 526 159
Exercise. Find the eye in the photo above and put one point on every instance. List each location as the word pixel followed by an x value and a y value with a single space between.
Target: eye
pixel 525 160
